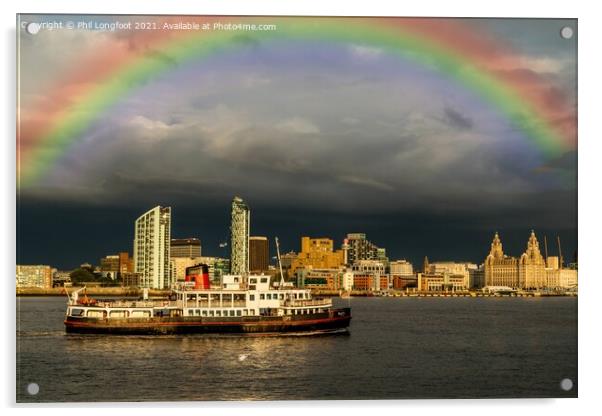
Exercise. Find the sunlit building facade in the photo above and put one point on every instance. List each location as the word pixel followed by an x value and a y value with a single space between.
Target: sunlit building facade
pixel 152 237
pixel 34 276
pixel 240 228
pixel 500 270
pixel 527 272
pixel 317 253
pixel 259 254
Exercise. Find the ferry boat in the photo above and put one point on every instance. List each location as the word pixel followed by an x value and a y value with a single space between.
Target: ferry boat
pixel 240 304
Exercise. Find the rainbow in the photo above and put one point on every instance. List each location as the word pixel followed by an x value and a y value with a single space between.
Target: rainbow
pixel 467 56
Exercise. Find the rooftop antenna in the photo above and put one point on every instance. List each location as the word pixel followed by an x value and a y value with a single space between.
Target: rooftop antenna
pixel 560 252
pixel 279 264
pixel 545 244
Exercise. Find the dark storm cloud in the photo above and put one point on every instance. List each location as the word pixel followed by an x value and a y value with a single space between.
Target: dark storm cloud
pixel 457 120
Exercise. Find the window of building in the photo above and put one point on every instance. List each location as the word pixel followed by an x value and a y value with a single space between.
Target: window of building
pixel 251 297
pixel 261 297
pixel 264 280
pixel 269 296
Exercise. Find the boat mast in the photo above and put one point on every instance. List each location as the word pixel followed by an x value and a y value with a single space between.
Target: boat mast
pixel 279 264
pixel 560 252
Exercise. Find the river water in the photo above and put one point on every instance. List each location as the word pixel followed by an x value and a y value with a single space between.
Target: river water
pixel 397 348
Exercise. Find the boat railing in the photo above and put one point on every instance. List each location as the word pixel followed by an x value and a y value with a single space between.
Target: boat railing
pixel 215 304
pixel 302 303
pixel 135 304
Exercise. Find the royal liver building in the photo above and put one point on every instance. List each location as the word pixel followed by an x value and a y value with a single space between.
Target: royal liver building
pixel 239 237
pixel 528 271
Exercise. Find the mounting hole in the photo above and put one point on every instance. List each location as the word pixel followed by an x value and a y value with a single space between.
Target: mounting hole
pixel 566 32
pixel 33 28
pixel 566 384
pixel 33 389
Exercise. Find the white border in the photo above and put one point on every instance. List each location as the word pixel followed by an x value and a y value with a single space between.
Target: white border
pixel 589 229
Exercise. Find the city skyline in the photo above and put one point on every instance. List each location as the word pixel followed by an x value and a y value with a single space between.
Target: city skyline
pixel 516 238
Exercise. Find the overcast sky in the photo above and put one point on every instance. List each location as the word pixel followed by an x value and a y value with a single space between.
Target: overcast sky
pixel 319 139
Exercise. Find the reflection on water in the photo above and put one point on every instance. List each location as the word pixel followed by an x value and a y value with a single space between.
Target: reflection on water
pixel 397 348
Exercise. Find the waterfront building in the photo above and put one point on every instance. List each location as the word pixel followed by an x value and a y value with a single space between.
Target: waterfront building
pixel 359 248
pixel 317 253
pixel 557 277
pixel 287 259
pixel 39 275
pixel 500 270
pixel 532 274
pixel 240 228
pixel 363 282
pixel 330 279
pixel 441 282
pixel 401 268
pixel 152 236
pixel 454 269
pixel 131 279
pixel 568 278
pixel 126 263
pixel 185 247
pixel 401 282
pixel 61 278
pixel 347 281
pixel 259 254
pixel 109 266
pixel 476 277
pixel 530 271
pixel 374 268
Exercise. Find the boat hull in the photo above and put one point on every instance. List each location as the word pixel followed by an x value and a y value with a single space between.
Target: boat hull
pixel 335 321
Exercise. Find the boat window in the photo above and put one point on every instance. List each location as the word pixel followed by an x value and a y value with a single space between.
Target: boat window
pixel 232 313
pixel 198 312
pixel 204 313
pixel 238 312
pixel 245 312
pixel 281 296
pixel 77 312
pixel 218 313
pixel 117 314
pixel 210 313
